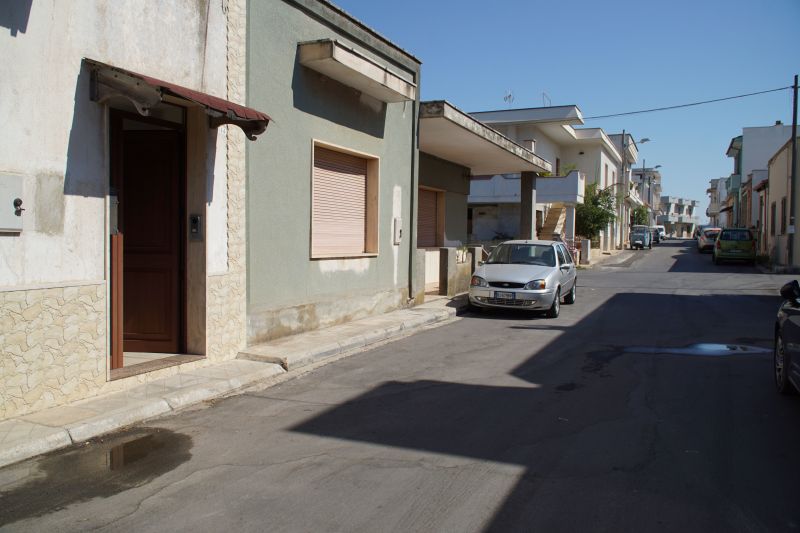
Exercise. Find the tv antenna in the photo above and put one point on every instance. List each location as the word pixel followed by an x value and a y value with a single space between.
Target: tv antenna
pixel 509 97
pixel 546 102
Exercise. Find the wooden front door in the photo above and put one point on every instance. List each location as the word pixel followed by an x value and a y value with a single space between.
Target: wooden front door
pixel 150 243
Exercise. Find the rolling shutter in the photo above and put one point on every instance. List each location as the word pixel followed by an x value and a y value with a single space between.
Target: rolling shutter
pixel 339 203
pixel 427 218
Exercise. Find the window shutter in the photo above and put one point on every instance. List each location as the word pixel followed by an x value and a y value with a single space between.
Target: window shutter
pixel 427 218
pixel 339 203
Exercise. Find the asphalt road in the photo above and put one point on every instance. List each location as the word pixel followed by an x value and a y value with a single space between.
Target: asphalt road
pixel 605 419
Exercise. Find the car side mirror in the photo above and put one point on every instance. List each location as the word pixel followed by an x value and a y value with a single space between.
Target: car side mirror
pixel 791 291
pixel 481 263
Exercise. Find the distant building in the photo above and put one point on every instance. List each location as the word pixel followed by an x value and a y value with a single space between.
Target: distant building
pixel 648 183
pixel 679 216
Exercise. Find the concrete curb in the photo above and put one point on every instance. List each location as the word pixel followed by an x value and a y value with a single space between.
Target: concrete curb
pixel 45 431
pixel 303 350
pixel 55 428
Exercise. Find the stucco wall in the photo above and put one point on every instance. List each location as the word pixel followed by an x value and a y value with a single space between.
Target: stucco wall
pixel 779 187
pixel 287 291
pixel 55 137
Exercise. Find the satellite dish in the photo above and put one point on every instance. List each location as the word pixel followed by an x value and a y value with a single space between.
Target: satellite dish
pixel 509 97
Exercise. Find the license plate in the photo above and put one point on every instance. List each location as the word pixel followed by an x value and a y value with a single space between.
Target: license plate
pixel 637 242
pixel 504 295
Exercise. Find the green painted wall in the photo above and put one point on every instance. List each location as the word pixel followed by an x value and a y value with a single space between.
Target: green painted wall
pixel 306 106
pixel 447 176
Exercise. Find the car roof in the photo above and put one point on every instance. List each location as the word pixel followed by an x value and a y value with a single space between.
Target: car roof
pixel 518 241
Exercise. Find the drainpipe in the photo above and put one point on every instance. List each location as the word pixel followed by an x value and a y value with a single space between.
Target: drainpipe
pixel 412 226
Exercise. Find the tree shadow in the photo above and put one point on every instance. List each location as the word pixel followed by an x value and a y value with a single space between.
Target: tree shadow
pixel 628 434
pixel 690 259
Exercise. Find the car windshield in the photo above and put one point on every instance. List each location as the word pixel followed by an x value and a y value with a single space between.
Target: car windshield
pixel 736 235
pixel 523 254
pixel 711 234
pixel 638 234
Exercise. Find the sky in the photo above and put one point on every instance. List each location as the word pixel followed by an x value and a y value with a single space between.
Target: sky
pixel 611 57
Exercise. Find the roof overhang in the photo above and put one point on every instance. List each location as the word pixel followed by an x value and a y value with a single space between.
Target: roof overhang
pixel 145 93
pixel 448 133
pixel 734 147
pixel 347 66
pixel 562 114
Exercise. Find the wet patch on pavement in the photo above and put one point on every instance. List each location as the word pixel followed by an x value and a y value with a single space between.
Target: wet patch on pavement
pixel 98 468
pixel 597 361
pixel 702 349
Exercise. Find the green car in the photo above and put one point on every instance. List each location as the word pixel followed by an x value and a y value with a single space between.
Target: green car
pixel 734 244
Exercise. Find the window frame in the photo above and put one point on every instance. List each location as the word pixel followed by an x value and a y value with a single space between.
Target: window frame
pixel 372 202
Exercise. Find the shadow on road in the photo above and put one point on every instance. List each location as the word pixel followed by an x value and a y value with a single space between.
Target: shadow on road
pixel 651 433
pixel 690 259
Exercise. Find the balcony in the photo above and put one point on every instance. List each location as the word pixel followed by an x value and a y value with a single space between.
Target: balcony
pixel 713 209
pixel 568 189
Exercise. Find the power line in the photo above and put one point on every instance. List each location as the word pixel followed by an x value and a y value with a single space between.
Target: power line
pixel 687 105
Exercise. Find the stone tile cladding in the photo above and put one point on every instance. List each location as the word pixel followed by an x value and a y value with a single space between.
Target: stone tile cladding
pixel 53 346
pixel 226 296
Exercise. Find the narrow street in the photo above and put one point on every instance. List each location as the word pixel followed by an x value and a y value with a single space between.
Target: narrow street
pixel 494 422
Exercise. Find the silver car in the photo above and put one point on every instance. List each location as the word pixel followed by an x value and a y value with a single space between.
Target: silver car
pixel 533 275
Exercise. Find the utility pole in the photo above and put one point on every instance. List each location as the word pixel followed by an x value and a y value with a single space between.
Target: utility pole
pixel 793 178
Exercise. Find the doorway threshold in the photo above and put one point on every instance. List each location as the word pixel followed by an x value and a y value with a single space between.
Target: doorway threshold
pixel 149 362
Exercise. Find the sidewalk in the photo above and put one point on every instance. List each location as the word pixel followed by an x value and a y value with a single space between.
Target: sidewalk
pixel 264 364
pixel 611 257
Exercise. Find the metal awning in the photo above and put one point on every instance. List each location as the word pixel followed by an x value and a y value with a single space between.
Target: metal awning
pixel 348 66
pixel 145 92
pixel 448 133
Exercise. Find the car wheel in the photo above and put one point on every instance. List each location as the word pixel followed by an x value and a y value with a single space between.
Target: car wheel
pixel 781 364
pixel 556 307
pixel 573 293
pixel 714 258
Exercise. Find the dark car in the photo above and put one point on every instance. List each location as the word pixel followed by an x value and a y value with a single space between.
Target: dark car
pixel 787 340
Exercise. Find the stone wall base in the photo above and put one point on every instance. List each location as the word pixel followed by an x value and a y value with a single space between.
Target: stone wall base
pixel 269 324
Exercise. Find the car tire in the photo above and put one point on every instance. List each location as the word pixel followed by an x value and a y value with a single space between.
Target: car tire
pixel 573 294
pixel 714 258
pixel 555 309
pixel 780 365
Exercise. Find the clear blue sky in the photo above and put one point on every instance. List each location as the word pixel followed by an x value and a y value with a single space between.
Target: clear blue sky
pixel 610 57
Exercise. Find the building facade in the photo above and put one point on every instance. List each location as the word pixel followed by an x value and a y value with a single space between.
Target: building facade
pixel 126 256
pixel 332 198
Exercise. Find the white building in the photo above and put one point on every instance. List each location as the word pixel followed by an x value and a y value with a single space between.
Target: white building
pixel 578 156
pixel 96 145
pixel 752 151
pixel 716 199
pixel 648 183
pixel 678 216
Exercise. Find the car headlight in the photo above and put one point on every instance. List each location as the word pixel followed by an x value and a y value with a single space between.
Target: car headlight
pixel 478 281
pixel 537 284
